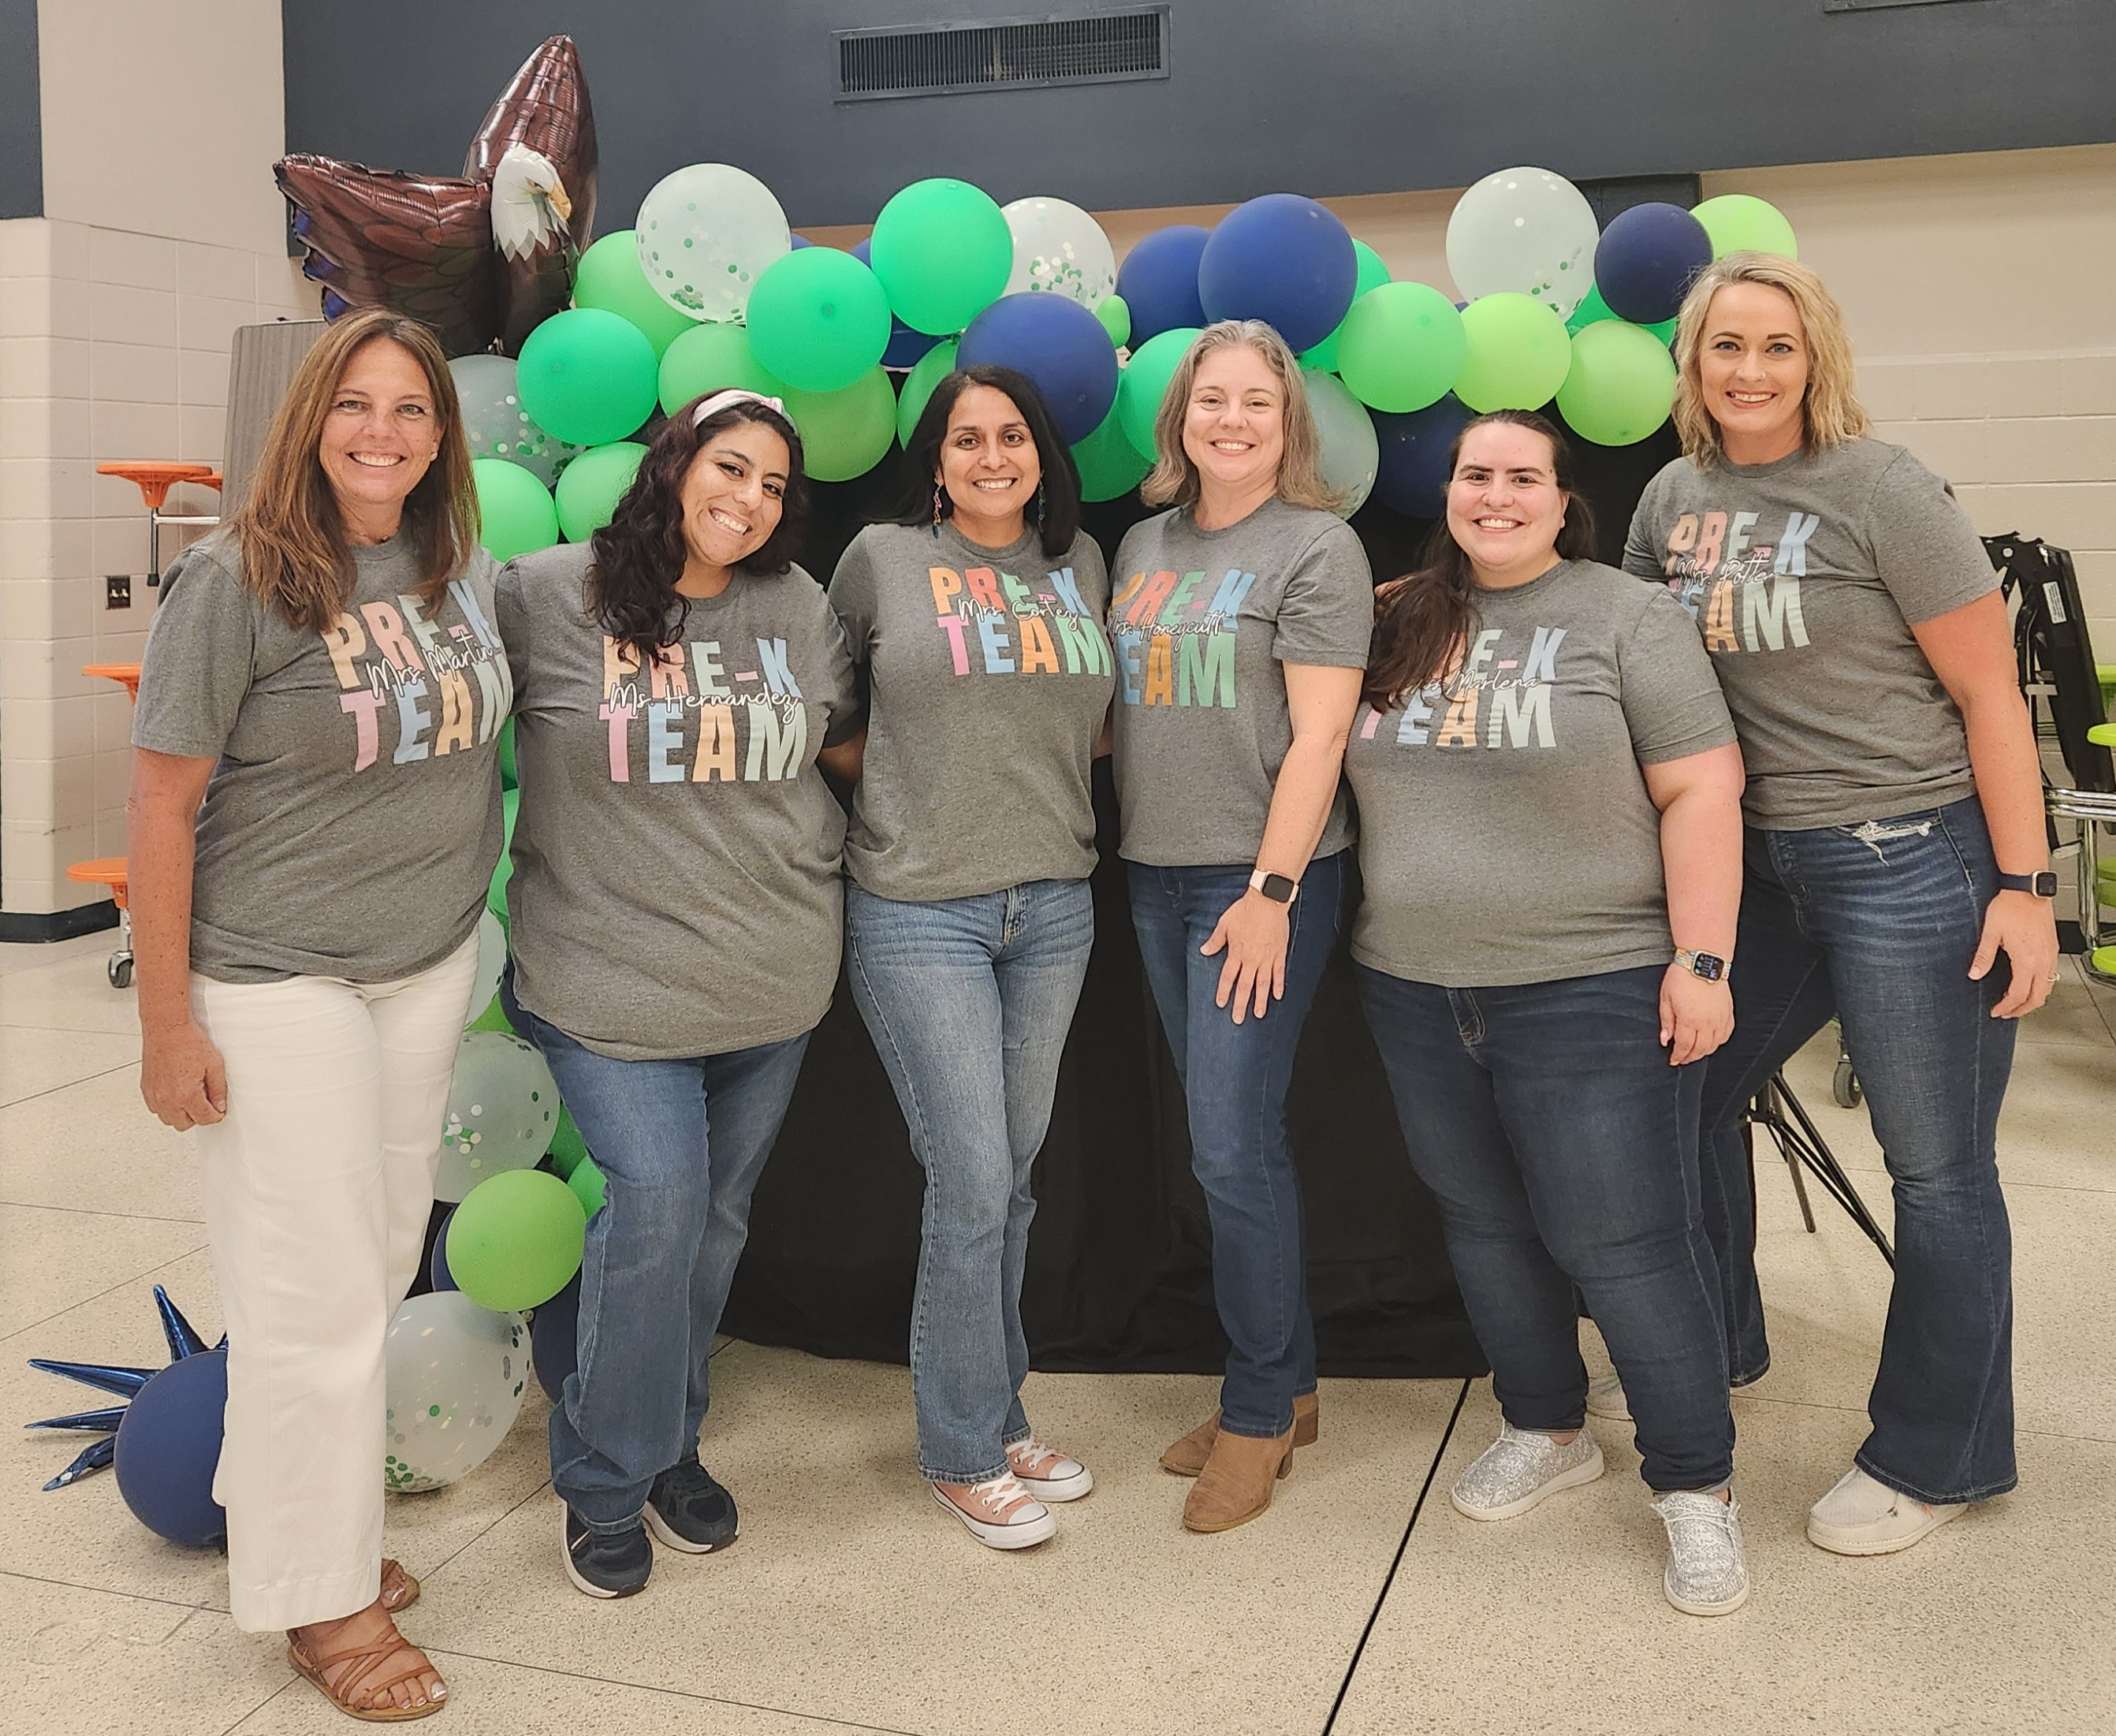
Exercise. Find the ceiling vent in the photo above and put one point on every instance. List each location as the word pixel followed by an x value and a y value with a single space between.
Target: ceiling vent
pixel 1101 48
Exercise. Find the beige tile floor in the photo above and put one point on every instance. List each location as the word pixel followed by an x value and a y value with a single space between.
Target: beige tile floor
pixel 851 1606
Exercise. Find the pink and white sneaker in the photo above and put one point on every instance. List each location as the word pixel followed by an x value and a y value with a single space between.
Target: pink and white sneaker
pixel 1048 1474
pixel 999 1513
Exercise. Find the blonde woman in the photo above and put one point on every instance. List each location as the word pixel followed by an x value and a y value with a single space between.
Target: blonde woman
pixel 315 817
pixel 1240 619
pixel 1896 870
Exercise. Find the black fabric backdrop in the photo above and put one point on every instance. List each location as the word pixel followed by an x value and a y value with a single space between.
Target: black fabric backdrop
pixel 1120 1258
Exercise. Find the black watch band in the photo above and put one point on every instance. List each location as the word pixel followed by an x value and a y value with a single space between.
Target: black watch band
pixel 2043 885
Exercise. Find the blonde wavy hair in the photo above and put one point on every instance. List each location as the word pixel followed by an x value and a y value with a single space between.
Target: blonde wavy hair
pixel 1174 479
pixel 1829 411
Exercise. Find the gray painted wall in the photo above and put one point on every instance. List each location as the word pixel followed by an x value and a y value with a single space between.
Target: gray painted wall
pixel 1325 97
pixel 21 114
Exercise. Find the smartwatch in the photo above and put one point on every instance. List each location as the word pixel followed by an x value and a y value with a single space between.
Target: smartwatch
pixel 1276 887
pixel 2043 885
pixel 1708 965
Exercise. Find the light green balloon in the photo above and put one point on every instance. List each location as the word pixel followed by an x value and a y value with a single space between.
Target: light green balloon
pixel 1401 346
pixel 590 486
pixel 516 1239
pixel 515 511
pixel 1519 353
pixel 1372 274
pixel 587 375
pixel 944 251
pixel 588 1186
pixel 710 358
pixel 1620 385
pixel 1114 312
pixel 609 277
pixel 846 434
pixel 495 897
pixel 1144 382
pixel 567 1147
pixel 1740 223
pixel 1594 309
pixel 926 373
pixel 817 318
pixel 1109 464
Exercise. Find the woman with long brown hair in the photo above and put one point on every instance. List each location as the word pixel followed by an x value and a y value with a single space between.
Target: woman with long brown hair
pixel 316 815
pixel 1550 847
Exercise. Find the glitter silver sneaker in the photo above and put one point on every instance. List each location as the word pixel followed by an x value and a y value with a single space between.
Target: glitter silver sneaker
pixel 1521 1470
pixel 1706 1574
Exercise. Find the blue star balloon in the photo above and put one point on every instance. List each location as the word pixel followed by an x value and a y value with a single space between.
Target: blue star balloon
pixel 183 1340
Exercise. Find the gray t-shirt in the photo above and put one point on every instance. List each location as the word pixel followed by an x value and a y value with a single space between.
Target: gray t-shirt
pixel 351 826
pixel 1202 621
pixel 988 678
pixel 675 889
pixel 1506 835
pixel 1805 577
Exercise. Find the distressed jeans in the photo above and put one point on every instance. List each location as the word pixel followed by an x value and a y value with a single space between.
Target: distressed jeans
pixel 1876 924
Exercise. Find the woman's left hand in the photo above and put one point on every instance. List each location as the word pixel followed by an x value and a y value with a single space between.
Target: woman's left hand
pixel 2024 927
pixel 1696 1017
pixel 1254 932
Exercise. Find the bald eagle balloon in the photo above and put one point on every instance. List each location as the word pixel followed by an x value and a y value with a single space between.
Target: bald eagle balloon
pixel 480 256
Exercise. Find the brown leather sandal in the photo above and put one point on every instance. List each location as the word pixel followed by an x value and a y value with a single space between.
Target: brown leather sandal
pixel 361 1682
pixel 399 1590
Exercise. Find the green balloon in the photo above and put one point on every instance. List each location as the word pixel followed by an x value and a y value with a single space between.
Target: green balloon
pixel 818 319
pixel 1372 274
pixel 1109 465
pixel 1594 309
pixel 1620 385
pixel 514 510
pixel 588 1186
pixel 1144 382
pixel 567 1147
pixel 1518 356
pixel 1740 223
pixel 846 434
pixel 943 251
pixel 516 1239
pixel 495 897
pixel 508 780
pixel 609 277
pixel 1116 315
pixel 590 486
pixel 711 358
pixel 586 377
pixel 494 1018
pixel 1401 347
pixel 926 373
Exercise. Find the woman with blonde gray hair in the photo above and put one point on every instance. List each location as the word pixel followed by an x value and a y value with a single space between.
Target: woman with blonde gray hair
pixel 1241 618
pixel 1896 870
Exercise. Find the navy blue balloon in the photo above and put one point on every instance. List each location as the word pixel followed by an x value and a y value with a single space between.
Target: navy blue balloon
pixel 555 1339
pixel 1646 260
pixel 863 251
pixel 1412 475
pixel 437 1268
pixel 1057 343
pixel 801 241
pixel 1158 281
pixel 168 1446
pixel 905 345
pixel 1284 260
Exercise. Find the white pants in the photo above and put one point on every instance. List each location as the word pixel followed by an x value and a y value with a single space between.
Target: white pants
pixel 318 1185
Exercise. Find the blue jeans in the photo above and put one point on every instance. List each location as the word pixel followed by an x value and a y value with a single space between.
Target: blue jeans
pixel 680 1144
pixel 968 1001
pixel 1562 1148
pixel 1877 924
pixel 1235 1078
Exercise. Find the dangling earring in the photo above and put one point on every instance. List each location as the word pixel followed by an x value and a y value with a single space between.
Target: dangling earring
pixel 936 509
pixel 1039 503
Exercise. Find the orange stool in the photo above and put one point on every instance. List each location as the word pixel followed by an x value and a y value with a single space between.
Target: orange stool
pixel 155 477
pixel 127 675
pixel 110 871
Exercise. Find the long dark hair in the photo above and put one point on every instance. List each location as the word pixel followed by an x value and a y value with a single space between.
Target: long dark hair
pixel 639 555
pixel 1058 520
pixel 1432 613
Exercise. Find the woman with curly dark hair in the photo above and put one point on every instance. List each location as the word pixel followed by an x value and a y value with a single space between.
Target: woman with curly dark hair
pixel 675 920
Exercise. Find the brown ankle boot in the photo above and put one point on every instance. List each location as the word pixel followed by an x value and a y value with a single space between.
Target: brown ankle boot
pixel 1236 1484
pixel 1187 1456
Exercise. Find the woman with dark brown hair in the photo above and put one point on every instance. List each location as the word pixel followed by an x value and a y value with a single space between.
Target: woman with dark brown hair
pixel 316 815
pixel 675 921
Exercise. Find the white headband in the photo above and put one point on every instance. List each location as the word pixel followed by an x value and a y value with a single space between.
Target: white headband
pixel 719 401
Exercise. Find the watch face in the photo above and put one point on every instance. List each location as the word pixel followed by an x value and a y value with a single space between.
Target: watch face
pixel 2046 884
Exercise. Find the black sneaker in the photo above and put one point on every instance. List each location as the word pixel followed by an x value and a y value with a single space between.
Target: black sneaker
pixel 605 1564
pixel 688 1511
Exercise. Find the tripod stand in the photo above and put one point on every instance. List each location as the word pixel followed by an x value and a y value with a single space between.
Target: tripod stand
pixel 1779 1113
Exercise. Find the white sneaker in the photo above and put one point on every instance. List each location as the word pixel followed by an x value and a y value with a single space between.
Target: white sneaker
pixel 1605 1398
pixel 1706 1574
pixel 1521 1470
pixel 1048 1474
pixel 1862 1516
pixel 1002 1515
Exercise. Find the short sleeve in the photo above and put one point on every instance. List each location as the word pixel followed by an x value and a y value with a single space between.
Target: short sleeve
pixel 1327 614
pixel 836 681
pixel 1642 544
pixel 198 665
pixel 1672 705
pixel 1090 577
pixel 1924 549
pixel 511 606
pixel 852 596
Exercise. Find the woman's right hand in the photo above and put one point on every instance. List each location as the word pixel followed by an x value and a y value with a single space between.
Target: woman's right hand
pixel 182 1077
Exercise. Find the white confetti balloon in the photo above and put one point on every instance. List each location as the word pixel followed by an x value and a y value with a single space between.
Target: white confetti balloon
pixel 705 235
pixel 1526 230
pixel 491 962
pixel 1058 245
pixel 503 1111
pixel 1351 451
pixel 454 1374
pixel 495 424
